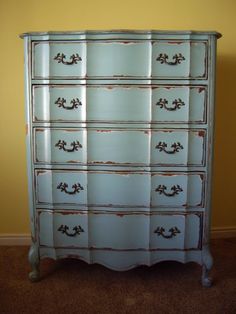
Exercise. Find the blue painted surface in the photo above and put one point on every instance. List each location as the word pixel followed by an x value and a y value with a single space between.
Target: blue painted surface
pixel 120 140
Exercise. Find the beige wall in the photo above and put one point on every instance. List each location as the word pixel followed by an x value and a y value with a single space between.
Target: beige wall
pixel 18 16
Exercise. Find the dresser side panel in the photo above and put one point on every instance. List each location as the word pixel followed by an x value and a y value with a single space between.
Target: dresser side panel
pixel 29 144
pixel 210 146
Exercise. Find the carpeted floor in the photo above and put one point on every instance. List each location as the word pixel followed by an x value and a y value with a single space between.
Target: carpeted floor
pixel 72 286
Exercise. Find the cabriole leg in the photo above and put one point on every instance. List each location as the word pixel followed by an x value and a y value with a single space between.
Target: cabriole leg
pixel 206 267
pixel 206 280
pixel 34 275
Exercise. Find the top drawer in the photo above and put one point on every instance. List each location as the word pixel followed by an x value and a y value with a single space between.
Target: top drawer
pixel 160 59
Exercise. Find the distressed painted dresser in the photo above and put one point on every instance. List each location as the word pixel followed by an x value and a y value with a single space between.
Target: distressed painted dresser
pixel 120 141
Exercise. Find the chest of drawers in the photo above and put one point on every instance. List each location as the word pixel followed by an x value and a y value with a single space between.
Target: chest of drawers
pixel 120 141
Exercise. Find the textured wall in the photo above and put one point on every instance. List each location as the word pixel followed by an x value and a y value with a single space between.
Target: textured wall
pixel 33 15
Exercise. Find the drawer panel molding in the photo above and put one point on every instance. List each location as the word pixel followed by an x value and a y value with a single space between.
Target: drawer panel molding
pixel 120 188
pixel 110 146
pixel 120 103
pixel 92 230
pixel 95 59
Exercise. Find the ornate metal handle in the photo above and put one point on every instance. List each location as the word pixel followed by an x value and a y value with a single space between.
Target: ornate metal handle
pixel 65 228
pixel 177 59
pixel 60 57
pixel 61 103
pixel 175 188
pixel 177 104
pixel 162 147
pixel 63 187
pixel 75 146
pixel 173 232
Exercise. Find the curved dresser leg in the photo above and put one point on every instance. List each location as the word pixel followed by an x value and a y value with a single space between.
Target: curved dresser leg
pixel 34 275
pixel 206 267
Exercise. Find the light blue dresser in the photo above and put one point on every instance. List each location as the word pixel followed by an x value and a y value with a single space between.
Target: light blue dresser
pixel 120 141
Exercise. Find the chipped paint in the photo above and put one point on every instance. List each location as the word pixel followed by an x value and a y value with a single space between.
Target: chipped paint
pixel 165 131
pixel 40 172
pixel 201 133
pixel 202 176
pixel 176 42
pixel 104 131
pixel 69 212
pixel 128 42
pixel 201 89
pixel 120 215
pixel 109 162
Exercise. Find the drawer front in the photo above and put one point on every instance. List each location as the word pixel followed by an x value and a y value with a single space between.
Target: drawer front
pixel 120 146
pixel 127 103
pixel 63 229
pixel 179 104
pixel 91 59
pixel 59 103
pixel 179 59
pixel 58 60
pixel 120 231
pixel 178 147
pixel 92 146
pixel 177 190
pixel 60 145
pixel 176 231
pixel 105 188
pixel 61 187
pixel 119 59
pixel 119 189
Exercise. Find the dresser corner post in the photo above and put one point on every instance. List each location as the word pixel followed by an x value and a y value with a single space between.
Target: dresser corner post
pixel 207 263
pixel 34 275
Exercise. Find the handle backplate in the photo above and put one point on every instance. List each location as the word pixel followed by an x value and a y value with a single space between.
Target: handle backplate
pixel 160 231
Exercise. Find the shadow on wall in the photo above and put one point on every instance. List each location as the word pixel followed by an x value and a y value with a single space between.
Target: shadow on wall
pixel 224 196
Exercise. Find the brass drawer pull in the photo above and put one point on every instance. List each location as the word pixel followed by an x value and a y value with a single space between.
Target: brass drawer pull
pixel 75 146
pixel 173 232
pixel 163 57
pixel 63 187
pixel 61 103
pixel 162 147
pixel 175 188
pixel 64 229
pixel 74 59
pixel 177 104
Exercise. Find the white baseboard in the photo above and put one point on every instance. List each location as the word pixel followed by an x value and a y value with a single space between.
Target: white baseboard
pixel 223 232
pixel 15 239
pixel 25 239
